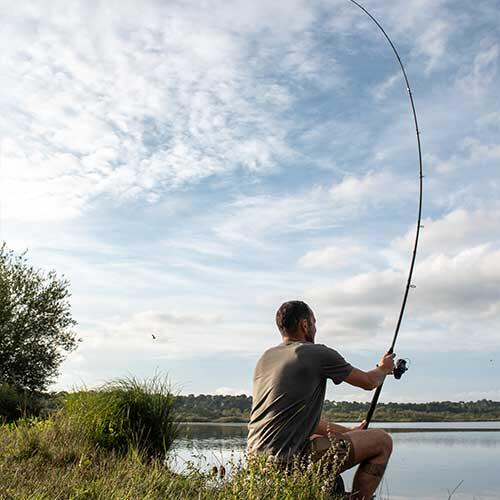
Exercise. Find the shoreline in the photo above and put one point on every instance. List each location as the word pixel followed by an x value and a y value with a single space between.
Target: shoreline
pixel 432 426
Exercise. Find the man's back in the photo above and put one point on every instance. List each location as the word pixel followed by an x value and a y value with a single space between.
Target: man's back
pixel 288 392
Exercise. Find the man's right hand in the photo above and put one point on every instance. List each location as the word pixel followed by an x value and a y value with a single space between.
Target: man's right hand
pixel 386 363
pixel 373 378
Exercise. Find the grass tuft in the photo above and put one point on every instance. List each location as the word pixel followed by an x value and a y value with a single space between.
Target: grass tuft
pixel 126 414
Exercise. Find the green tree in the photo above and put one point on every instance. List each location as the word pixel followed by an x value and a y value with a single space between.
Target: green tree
pixel 36 326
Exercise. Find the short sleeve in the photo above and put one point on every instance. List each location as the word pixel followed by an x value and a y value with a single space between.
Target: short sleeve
pixel 333 365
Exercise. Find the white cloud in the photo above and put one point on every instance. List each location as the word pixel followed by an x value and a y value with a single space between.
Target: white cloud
pixel 131 106
pixel 106 109
pixel 381 91
pixel 331 256
pixel 455 231
pixel 425 25
pixel 429 24
pixel 482 72
pixel 458 289
pixel 375 187
pixel 232 391
pixel 250 218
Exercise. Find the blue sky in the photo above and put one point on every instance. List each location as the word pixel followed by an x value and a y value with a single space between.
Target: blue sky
pixel 189 166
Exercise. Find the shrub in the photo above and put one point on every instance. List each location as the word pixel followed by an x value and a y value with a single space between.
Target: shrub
pixel 10 403
pixel 16 402
pixel 126 414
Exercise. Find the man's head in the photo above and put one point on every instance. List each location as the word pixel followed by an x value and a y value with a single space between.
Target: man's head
pixel 295 320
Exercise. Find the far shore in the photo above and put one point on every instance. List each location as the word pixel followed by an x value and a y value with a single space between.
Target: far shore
pixel 397 426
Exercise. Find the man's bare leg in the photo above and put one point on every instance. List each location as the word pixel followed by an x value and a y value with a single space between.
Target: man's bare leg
pixel 372 449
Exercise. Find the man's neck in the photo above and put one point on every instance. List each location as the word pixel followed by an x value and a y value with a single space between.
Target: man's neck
pixel 288 338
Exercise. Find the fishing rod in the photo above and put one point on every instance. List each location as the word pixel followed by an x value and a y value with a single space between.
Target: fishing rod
pixel 401 363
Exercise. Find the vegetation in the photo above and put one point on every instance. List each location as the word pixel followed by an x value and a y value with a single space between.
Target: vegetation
pixel 125 415
pixel 436 411
pixel 41 460
pixel 35 323
pixel 220 409
pixel 209 408
pixel 104 445
pixel 206 408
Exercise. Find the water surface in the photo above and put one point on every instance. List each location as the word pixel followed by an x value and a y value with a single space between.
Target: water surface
pixel 429 459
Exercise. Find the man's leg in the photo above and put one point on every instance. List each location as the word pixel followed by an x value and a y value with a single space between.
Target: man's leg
pixel 372 449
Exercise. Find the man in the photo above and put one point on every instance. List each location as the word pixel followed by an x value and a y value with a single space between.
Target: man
pixel 289 388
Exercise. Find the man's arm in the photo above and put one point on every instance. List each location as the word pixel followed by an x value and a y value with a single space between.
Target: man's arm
pixel 373 378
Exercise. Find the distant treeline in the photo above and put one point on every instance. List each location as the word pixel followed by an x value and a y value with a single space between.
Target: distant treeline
pixel 210 408
pixel 216 408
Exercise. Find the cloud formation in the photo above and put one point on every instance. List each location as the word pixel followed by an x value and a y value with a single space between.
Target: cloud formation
pixel 189 167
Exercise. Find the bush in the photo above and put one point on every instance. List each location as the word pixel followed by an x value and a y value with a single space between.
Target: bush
pixel 126 414
pixel 16 403
pixel 10 403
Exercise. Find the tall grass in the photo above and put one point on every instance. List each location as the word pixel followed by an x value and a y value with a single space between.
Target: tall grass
pixel 126 414
pixel 44 460
pixel 115 443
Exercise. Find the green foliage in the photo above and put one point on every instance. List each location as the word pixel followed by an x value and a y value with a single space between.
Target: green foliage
pixel 208 408
pixel 29 439
pixel 126 414
pixel 263 478
pixel 48 460
pixel 214 408
pixel 35 323
pixel 436 411
pixel 18 403
pixel 217 408
pixel 10 408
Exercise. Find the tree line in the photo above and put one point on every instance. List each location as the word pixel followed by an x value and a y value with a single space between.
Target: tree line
pixel 218 408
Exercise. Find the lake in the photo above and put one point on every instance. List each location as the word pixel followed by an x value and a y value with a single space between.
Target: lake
pixel 429 459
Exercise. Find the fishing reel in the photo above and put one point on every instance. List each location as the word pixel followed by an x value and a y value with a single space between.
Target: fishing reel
pixel 400 368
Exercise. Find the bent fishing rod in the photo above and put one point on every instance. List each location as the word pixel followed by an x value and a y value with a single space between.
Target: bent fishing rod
pixel 401 363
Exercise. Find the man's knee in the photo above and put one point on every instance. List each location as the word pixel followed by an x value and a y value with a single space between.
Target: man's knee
pixel 384 441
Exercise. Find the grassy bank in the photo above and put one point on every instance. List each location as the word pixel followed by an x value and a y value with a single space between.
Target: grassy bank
pixel 116 443
pixel 38 463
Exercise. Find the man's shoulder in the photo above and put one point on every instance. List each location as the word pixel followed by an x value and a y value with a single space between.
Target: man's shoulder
pixel 300 349
pixel 318 351
pixel 315 348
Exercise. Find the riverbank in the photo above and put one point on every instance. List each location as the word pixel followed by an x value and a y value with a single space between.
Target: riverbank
pixel 43 460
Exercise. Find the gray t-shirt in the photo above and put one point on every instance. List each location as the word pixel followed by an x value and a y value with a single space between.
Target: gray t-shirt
pixel 289 387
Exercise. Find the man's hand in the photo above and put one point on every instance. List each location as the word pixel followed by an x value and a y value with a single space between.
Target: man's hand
pixel 359 427
pixel 386 363
pixel 373 378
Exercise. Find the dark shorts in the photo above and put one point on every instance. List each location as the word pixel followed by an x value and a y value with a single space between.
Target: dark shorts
pixel 337 449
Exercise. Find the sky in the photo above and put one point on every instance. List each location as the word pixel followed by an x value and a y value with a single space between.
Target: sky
pixel 189 166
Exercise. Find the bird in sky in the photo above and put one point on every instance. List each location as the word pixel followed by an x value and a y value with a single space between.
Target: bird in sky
pixel 152 335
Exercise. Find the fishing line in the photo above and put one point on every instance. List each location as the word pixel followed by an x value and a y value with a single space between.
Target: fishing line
pixel 401 365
